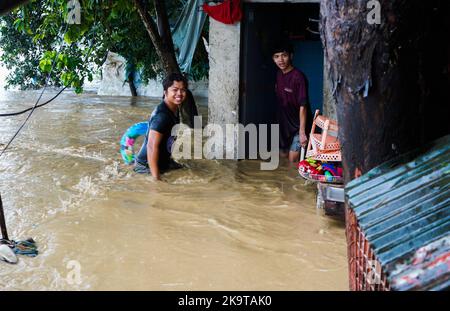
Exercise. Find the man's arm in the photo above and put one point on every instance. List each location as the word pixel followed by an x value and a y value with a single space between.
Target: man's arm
pixel 154 141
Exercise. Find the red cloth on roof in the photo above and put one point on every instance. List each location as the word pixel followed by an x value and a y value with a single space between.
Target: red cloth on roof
pixel 227 12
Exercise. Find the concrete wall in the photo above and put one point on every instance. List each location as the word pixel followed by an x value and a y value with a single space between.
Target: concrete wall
pixel 113 75
pixel 224 53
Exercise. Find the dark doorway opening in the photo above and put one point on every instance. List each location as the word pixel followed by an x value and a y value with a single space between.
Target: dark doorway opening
pixel 264 24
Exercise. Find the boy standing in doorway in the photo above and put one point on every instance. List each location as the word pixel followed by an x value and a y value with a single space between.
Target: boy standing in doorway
pixel 292 103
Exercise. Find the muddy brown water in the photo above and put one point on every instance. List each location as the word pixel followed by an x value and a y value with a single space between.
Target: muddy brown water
pixel 214 225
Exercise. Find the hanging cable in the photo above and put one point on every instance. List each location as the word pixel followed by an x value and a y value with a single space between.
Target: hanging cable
pixel 11 114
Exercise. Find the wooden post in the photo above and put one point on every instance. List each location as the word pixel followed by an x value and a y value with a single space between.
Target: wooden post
pixel 2 221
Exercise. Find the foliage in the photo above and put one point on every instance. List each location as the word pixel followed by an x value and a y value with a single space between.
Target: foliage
pixel 20 54
pixel 37 40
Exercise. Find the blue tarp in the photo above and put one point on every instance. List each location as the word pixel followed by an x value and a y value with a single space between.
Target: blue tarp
pixel 186 33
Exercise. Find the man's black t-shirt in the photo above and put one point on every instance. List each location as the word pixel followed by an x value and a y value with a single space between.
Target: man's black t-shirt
pixel 161 120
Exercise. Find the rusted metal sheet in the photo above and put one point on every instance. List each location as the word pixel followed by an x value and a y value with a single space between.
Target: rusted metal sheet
pixel 426 269
pixel 403 207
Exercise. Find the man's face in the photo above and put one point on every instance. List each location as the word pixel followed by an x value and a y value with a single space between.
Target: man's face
pixel 176 93
pixel 282 60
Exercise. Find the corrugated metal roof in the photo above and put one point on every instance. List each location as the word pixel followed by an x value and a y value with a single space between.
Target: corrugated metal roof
pixel 404 205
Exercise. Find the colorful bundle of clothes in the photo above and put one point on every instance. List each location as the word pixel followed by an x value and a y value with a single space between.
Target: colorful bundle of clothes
pixel 322 171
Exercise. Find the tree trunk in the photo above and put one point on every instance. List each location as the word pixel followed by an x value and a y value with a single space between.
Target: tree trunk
pixel 387 78
pixel 171 64
pixel 390 83
pixel 131 84
pixel 161 37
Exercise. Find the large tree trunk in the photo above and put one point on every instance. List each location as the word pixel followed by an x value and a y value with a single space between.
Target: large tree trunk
pixel 390 83
pixel 389 79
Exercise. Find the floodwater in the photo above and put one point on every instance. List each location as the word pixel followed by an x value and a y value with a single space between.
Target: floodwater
pixel 214 225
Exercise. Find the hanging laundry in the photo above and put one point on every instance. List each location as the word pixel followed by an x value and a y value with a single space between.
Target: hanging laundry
pixel 227 12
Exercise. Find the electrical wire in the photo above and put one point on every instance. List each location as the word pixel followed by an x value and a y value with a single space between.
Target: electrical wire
pixel 37 105
pixel 37 101
pixel 11 114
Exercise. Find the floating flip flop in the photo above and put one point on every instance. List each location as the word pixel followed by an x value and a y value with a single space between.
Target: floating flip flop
pixel 10 248
pixel 7 254
pixel 27 247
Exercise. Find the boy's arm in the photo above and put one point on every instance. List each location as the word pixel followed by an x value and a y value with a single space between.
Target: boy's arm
pixel 302 132
pixel 154 141
pixel 302 98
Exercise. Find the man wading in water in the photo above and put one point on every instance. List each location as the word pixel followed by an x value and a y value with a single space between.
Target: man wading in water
pixel 154 156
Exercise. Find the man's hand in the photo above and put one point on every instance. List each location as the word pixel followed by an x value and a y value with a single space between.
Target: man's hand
pixel 303 139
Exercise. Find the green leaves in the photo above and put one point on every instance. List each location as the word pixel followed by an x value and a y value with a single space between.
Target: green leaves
pixel 38 37
pixel 22 26
pixel 66 78
pixel 116 37
pixel 31 36
pixel 45 65
pixel 46 62
pixel 75 33
pixel 19 24
pixel 74 80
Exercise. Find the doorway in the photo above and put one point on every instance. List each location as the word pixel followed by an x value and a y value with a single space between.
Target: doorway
pixel 262 25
